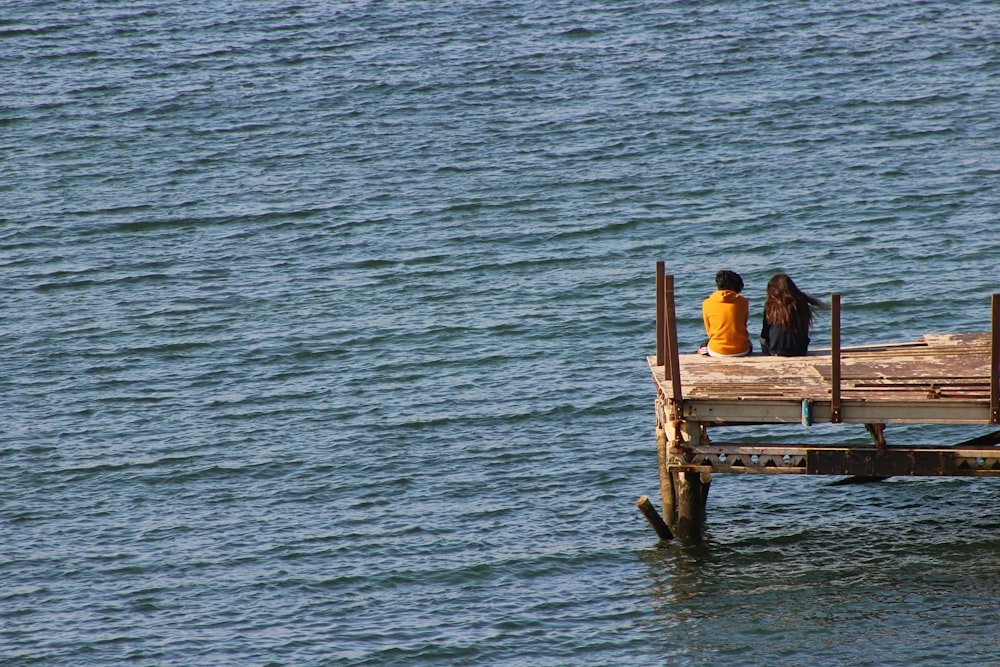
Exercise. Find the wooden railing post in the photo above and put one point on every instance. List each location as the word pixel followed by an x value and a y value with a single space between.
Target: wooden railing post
pixel 661 324
pixel 995 359
pixel 673 347
pixel 835 358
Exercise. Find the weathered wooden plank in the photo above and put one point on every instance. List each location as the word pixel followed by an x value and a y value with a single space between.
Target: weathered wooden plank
pixel 948 381
pixel 953 339
pixel 723 411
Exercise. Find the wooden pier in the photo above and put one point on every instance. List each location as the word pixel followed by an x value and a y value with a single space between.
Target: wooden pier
pixel 939 379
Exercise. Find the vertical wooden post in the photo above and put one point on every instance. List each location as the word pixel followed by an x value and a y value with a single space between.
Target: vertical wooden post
pixel 995 359
pixel 662 446
pixel 683 493
pixel 706 484
pixel 835 358
pixel 661 323
pixel 690 495
pixel 690 511
pixel 672 347
pixel 666 479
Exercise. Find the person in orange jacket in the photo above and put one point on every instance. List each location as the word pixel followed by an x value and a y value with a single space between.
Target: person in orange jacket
pixel 726 314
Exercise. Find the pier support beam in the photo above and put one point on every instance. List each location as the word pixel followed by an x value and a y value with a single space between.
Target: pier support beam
pixel 684 492
pixel 666 479
pixel 690 510
pixel 691 490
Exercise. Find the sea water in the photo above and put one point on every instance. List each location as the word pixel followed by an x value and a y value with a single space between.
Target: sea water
pixel 324 327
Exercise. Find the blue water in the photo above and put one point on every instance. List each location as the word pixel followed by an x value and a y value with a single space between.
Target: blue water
pixel 324 327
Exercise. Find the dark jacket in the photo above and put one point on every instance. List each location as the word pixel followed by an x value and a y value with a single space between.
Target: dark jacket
pixel 780 342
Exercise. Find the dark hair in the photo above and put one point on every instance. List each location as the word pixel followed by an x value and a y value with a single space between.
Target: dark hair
pixel 729 280
pixel 787 306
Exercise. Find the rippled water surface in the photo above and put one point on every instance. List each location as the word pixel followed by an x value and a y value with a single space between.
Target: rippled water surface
pixel 324 327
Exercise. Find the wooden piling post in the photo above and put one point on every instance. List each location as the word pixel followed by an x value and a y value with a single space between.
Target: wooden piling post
pixel 690 511
pixel 995 359
pixel 877 432
pixel 835 358
pixel 706 484
pixel 666 479
pixel 690 494
pixel 648 511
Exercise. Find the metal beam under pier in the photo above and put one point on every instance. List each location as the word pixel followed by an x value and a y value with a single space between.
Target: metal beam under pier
pixel 839 460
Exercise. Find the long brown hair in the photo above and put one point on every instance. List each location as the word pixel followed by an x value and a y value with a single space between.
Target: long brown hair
pixel 787 306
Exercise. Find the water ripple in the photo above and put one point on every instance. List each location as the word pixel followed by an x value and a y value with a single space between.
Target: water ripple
pixel 326 327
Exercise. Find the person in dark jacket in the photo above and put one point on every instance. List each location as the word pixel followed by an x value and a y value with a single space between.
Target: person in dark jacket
pixel 788 312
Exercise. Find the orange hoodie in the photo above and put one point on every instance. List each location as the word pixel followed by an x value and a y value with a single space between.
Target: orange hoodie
pixel 726 314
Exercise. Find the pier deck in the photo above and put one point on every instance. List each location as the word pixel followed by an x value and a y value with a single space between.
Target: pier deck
pixel 940 379
pixel 951 379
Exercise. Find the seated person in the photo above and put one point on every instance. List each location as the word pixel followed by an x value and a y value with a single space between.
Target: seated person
pixel 788 312
pixel 726 313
